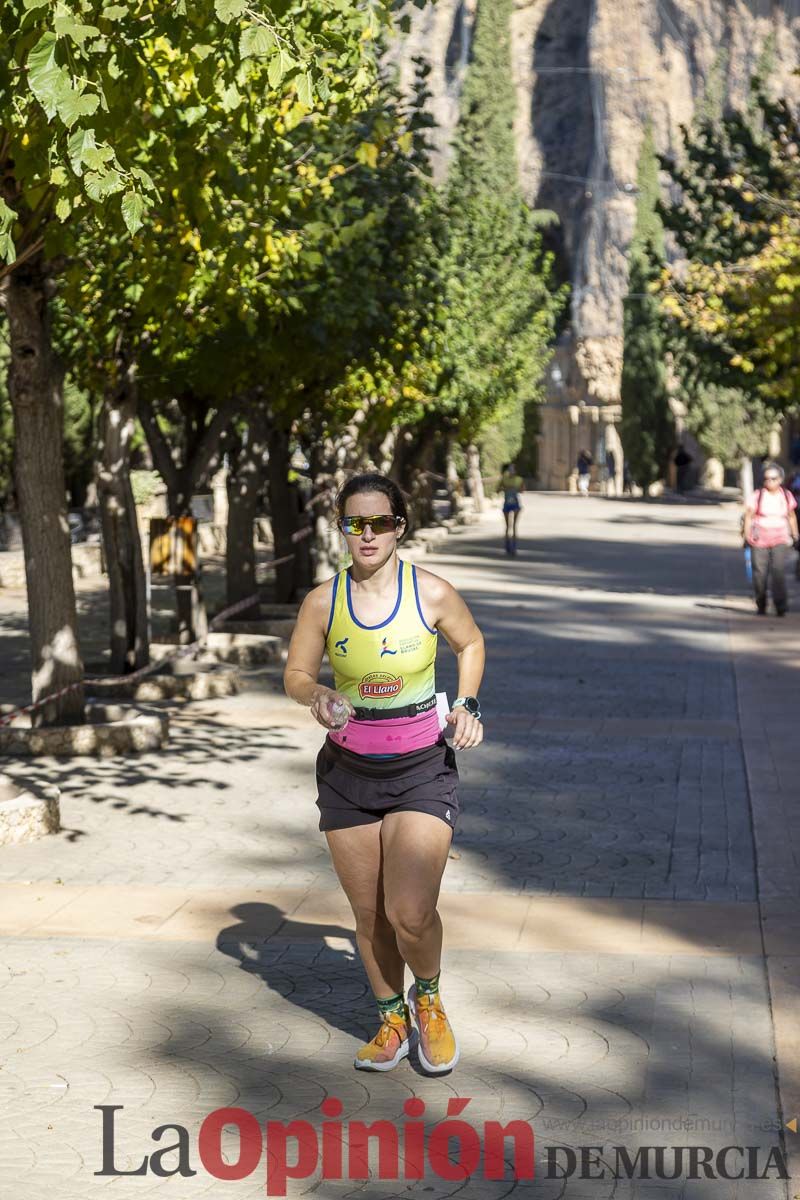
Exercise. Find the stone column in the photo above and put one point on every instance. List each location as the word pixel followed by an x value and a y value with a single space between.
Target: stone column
pixel 219 491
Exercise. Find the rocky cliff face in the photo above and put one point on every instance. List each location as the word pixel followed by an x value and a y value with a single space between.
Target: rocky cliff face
pixel 589 75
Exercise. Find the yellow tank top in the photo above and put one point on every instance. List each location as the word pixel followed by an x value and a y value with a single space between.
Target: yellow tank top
pixel 387 665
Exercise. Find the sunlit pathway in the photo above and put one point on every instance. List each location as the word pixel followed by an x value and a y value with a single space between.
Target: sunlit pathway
pixel 623 861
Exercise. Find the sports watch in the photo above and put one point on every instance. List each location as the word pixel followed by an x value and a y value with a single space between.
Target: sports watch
pixel 470 704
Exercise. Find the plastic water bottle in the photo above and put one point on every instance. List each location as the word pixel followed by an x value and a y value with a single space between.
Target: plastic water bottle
pixel 340 713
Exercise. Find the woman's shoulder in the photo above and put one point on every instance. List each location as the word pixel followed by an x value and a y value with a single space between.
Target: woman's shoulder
pixel 318 600
pixel 432 587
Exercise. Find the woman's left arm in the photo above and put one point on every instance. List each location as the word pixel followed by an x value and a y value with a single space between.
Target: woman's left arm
pixel 450 615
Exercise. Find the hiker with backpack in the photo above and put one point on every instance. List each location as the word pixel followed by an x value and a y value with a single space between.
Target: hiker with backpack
pixel 770 530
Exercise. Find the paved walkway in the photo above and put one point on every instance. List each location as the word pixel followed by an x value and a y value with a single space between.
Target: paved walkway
pixel 621 905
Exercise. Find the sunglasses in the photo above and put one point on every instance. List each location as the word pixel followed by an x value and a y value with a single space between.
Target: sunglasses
pixel 378 524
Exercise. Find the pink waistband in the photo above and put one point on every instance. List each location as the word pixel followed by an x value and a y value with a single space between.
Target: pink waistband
pixel 389 736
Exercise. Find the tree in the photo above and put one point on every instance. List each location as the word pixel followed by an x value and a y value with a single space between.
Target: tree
pixel 647 426
pixel 735 312
pixel 500 304
pixel 99 102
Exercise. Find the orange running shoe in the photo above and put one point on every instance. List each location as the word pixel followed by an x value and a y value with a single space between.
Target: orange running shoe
pixel 388 1047
pixel 438 1048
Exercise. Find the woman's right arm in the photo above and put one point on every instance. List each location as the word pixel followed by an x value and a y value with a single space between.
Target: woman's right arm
pixel 304 659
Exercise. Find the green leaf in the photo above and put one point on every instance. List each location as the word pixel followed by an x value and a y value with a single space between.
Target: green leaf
pixel 99 186
pixel 115 12
pixel 201 51
pixel 305 90
pixel 195 113
pixel 58 176
pixel 63 208
pixel 231 98
pixel 71 105
pixel 96 157
pixel 29 5
pixel 144 178
pixel 256 42
pixel 280 64
pixel 7 250
pixel 229 10
pixel 133 206
pixel 81 141
pixel 44 73
pixel 65 25
pixel 7 216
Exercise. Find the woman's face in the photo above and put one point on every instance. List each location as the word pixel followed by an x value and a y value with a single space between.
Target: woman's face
pixel 369 547
pixel 772 480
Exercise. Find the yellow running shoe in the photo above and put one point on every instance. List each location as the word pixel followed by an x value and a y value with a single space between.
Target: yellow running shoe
pixel 388 1047
pixel 438 1048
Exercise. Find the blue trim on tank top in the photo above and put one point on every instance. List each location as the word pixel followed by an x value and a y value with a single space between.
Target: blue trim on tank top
pixel 333 604
pixel 394 611
pixel 419 606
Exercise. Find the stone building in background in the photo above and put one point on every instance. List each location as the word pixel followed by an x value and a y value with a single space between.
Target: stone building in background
pixel 590 74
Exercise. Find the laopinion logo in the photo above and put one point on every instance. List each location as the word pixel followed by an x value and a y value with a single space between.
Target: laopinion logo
pixel 451 1149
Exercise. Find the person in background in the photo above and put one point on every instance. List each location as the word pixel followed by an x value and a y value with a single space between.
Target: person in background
pixel 758 469
pixel 794 488
pixel 683 463
pixel 770 528
pixel 512 484
pixel 584 465
pixel 611 473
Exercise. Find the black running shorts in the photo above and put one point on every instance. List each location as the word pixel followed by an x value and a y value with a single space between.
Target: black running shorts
pixel 354 789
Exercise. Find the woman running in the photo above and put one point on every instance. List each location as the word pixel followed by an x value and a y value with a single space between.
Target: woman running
pixel 512 485
pixel 386 777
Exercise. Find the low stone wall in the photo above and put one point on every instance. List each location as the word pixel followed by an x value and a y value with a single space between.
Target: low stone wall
pixel 184 678
pixel 246 649
pixel 109 729
pixel 27 813
pixel 86 564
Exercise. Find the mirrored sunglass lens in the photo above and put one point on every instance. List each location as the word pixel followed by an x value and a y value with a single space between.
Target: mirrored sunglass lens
pixel 352 525
pixel 356 525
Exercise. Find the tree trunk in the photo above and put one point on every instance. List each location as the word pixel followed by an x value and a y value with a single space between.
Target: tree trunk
pixel 246 456
pixel 182 481
pixel 283 508
pixel 35 389
pixel 453 482
pixel 413 460
pixel 121 542
pixel 475 478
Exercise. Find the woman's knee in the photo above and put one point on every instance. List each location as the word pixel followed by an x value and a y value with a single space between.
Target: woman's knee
pixel 371 924
pixel 411 922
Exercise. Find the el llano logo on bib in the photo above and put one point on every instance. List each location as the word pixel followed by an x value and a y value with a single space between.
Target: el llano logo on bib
pixel 378 685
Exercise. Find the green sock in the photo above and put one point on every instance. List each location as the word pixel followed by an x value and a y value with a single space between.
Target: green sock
pixel 394 1004
pixel 428 987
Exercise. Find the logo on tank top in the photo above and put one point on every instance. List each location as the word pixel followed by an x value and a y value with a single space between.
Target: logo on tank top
pixel 341 648
pixel 379 685
pixel 385 648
